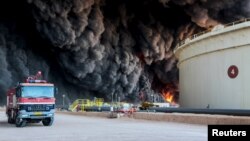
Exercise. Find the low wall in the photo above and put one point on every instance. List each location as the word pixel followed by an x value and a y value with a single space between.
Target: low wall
pixel 193 118
pixel 173 117
pixel 89 114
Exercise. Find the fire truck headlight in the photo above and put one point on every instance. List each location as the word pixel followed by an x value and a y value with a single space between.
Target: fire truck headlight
pixel 23 116
pixel 50 115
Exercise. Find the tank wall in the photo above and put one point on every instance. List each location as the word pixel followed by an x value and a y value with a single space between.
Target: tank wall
pixel 204 80
pixel 203 66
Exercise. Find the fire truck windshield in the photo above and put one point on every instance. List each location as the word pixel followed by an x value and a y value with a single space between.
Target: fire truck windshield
pixel 37 91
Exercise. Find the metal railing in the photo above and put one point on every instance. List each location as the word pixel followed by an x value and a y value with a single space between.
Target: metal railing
pixel 182 42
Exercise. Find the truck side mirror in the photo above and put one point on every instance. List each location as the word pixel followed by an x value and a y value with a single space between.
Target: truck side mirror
pixel 56 90
pixel 18 92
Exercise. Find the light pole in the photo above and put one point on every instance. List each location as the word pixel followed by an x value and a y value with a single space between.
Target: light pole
pixel 63 99
pixel 119 101
pixel 111 107
pixel 95 102
pixel 112 99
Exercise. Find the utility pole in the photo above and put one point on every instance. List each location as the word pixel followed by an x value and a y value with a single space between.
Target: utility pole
pixel 63 99
pixel 112 99
pixel 111 107
pixel 119 100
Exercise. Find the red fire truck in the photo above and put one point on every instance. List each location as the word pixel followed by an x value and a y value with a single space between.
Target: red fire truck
pixel 32 101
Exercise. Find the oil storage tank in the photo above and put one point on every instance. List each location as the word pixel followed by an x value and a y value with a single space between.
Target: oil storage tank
pixel 214 68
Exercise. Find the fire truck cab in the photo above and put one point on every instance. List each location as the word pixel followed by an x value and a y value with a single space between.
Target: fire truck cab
pixel 32 101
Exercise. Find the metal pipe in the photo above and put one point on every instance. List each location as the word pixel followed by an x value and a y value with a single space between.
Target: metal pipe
pixel 234 112
pixel 97 109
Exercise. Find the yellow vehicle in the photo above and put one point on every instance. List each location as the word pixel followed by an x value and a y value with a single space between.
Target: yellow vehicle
pixel 146 105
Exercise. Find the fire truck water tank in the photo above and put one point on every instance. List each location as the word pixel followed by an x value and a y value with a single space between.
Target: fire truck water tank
pixel 214 68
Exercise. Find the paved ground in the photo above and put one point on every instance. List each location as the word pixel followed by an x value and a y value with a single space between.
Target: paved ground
pixel 81 128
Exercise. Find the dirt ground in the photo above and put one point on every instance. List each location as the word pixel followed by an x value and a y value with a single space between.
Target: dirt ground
pixel 81 128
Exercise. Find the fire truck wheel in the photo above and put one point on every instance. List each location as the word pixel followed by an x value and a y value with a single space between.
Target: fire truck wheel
pixel 10 120
pixel 47 121
pixel 20 122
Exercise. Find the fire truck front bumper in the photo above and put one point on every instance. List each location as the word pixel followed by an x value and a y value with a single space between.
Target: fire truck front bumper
pixel 36 115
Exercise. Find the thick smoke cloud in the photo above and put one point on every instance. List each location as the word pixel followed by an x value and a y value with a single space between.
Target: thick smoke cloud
pixel 15 62
pixel 103 48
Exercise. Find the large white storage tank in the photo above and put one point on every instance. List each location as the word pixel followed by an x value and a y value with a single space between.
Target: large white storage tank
pixel 215 68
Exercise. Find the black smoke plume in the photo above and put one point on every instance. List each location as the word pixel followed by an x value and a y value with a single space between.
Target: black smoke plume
pixel 103 48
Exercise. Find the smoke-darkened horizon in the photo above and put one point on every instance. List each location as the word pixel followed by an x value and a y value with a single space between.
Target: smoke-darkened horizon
pixel 103 47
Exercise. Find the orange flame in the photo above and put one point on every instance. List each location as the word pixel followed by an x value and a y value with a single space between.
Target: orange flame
pixel 169 93
pixel 168 97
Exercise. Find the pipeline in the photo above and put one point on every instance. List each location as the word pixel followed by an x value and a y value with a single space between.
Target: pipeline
pixel 233 112
pixel 97 109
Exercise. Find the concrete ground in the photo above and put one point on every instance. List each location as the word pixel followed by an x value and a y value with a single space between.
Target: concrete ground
pixel 81 128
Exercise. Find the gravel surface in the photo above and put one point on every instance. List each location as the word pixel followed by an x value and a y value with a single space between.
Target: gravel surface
pixel 81 128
